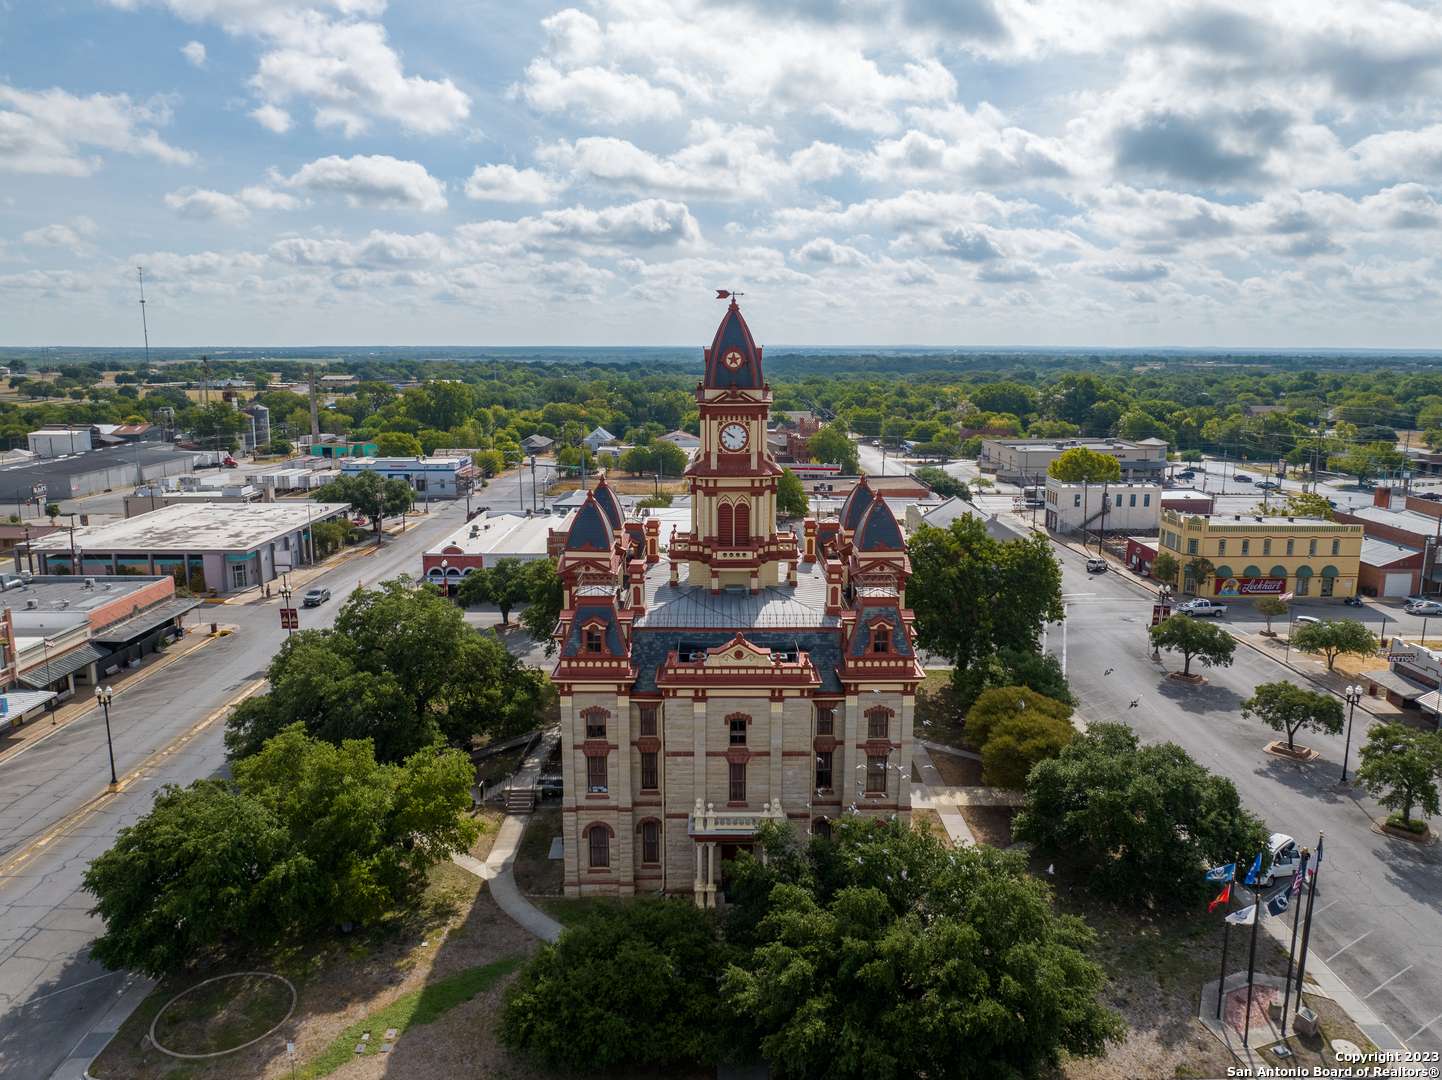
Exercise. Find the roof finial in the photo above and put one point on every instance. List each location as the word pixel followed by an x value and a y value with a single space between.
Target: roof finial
pixel 722 294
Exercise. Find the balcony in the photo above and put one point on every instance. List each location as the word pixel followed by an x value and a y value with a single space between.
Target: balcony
pixel 707 823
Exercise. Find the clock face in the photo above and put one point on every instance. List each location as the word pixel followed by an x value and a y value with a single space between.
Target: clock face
pixel 734 437
pixel 733 359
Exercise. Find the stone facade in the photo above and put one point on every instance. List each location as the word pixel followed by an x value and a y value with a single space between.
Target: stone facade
pixel 742 675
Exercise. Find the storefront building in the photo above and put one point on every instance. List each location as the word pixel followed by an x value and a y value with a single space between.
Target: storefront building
pixel 1251 557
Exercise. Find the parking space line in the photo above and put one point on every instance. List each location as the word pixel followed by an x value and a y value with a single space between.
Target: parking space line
pixel 1423 1028
pixel 1344 948
pixel 1379 986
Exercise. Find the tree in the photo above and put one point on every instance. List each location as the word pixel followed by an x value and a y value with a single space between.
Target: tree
pixel 1199 568
pixel 400 667
pixel 631 984
pixel 489 462
pixel 973 594
pixel 791 500
pixel 1080 464
pixel 1401 767
pixel 1165 567
pixel 1303 504
pixel 216 425
pixel 363 833
pixel 398 444
pixel 504 584
pixel 370 496
pixel 1283 706
pixel 204 869
pixel 281 447
pixel 942 482
pixel 1271 607
pixel 1144 822
pixel 1332 637
pixel 668 459
pixel 834 446
pixel 307 836
pixel 993 707
pixel 544 596
pixel 1191 637
pixel 1018 743
pixel 881 955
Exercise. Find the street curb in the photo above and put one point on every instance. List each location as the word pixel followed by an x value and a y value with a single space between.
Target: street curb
pixel 1236 636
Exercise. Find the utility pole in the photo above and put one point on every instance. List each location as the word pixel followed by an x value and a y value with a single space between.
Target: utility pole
pixel 144 324
pixel 314 410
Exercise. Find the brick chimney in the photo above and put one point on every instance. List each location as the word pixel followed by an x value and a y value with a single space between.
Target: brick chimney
pixel 653 541
pixel 1382 497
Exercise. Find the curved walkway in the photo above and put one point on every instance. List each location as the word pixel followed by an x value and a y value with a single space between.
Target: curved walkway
pixel 497 869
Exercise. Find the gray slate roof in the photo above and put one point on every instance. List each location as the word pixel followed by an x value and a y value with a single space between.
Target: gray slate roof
pixel 649 649
pixel 694 606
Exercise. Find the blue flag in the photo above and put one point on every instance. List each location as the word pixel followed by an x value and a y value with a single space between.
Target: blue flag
pixel 1255 872
pixel 1278 904
pixel 1222 873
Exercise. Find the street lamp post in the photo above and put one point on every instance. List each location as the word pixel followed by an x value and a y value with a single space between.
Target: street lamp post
pixel 103 694
pixel 285 594
pixel 1353 694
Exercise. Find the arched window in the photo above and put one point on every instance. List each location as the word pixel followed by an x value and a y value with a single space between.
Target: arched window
pixel 743 523
pixel 878 721
pixel 650 841
pixel 724 531
pixel 598 846
pixel 822 828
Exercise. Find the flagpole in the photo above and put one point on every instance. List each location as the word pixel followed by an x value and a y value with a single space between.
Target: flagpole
pixel 1307 922
pixel 1222 982
pixel 1252 958
pixel 1292 948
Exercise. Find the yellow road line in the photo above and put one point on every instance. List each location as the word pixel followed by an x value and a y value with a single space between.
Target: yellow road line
pixel 134 680
pixel 76 817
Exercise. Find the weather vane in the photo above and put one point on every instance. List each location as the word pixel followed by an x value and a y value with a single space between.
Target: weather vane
pixel 722 294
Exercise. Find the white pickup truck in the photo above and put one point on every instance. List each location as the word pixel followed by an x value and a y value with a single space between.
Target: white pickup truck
pixel 1200 607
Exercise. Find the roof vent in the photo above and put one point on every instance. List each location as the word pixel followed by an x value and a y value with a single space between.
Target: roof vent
pixel 31 603
pixel 89 583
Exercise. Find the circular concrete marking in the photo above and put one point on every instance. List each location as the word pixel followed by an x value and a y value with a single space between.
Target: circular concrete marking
pixel 219 978
pixel 1346 1050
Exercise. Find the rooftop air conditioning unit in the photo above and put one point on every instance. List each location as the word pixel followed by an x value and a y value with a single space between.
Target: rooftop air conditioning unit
pixel 31 603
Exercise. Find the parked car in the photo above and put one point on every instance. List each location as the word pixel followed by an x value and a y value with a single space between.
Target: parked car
pixel 1285 859
pixel 1305 620
pixel 1422 607
pixel 1431 496
pixel 1201 608
pixel 1187 474
pixel 1269 485
pixel 315 597
pixel 1353 601
pixel 1241 478
pixel 1096 566
pixel 550 786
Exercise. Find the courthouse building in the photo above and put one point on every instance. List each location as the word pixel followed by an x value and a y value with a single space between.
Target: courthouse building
pixel 741 675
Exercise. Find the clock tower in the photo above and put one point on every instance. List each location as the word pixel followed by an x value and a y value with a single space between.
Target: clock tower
pixel 733 539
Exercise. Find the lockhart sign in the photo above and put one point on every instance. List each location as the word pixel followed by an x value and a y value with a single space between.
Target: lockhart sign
pixel 1252 586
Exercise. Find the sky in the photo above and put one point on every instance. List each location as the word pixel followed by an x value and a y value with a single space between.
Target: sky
pixel 866 172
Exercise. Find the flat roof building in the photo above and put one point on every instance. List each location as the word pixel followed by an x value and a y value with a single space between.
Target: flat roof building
pixel 485 541
pixel 1025 461
pixel 431 477
pixel 1102 508
pixel 75 476
pixel 220 548
pixel 1263 556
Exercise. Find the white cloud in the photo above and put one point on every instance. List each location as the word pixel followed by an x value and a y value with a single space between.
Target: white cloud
pixel 194 53
pixel 506 183
pixel 333 55
pixel 54 131
pixel 377 180
pixel 203 204
pixel 75 237
pixel 272 118
pixel 646 223
pixel 824 251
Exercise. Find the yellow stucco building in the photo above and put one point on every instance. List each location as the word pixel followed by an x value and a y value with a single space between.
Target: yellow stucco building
pixel 1263 556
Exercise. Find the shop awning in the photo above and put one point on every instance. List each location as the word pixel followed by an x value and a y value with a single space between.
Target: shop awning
pixel 1430 702
pixel 18 704
pixel 137 626
pixel 41 676
pixel 1397 683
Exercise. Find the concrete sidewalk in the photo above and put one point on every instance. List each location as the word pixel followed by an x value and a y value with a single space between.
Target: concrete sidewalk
pixel 497 869
pixel 922 798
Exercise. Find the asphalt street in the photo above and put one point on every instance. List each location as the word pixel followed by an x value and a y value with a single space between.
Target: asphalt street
pixel 1378 917
pixel 51 992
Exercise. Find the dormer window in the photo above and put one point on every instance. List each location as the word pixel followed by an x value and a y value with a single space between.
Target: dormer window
pixel 881 638
pixel 595 638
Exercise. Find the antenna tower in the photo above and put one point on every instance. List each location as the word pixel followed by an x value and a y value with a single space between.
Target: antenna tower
pixel 144 326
